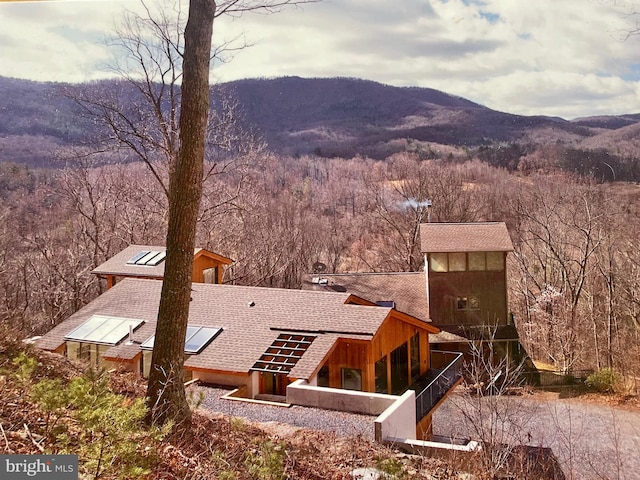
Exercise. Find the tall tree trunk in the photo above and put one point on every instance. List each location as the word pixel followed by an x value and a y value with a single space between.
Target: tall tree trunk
pixel 165 394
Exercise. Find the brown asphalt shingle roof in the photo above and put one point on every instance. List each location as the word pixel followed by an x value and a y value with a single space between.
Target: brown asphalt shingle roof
pixel 465 237
pixel 117 265
pixel 407 289
pixel 247 330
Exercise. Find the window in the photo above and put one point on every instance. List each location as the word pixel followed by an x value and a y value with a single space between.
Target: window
pixel 323 376
pixel 211 275
pixel 461 303
pixel 495 261
pixel 472 302
pixel 352 379
pixel 87 352
pixel 382 385
pixel 146 363
pixel 438 262
pixel 400 369
pixel 457 262
pixel 414 351
pixel 477 261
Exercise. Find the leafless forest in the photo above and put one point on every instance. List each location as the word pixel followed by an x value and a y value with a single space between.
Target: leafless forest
pixel 574 277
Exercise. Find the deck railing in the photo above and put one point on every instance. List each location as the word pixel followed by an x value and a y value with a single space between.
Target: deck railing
pixel 438 381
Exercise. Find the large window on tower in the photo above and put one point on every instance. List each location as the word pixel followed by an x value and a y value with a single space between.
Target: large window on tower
pixel 469 261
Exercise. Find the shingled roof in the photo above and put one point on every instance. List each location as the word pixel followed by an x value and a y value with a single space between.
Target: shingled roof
pixel 117 265
pixel 250 318
pixel 465 237
pixel 408 290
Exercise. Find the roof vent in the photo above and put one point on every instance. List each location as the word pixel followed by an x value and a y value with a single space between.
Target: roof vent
pixel 252 303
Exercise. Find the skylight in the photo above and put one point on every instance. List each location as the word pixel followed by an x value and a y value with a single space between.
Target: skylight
pixel 104 330
pixel 149 258
pixel 196 339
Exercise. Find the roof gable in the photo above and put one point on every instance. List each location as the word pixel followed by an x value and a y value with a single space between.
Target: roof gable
pixel 465 237
pixel 408 290
pixel 122 263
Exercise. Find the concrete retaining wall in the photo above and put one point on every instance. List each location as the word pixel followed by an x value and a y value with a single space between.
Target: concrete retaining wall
pixel 399 419
pixel 396 415
pixel 301 393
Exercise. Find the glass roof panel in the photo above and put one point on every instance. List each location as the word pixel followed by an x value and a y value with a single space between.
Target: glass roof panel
pixel 147 257
pixel 148 343
pixel 86 328
pixel 196 339
pixel 104 330
pixel 201 339
pixel 137 257
pixel 157 259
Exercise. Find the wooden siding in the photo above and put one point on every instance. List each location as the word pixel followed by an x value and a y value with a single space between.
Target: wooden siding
pixel 202 262
pixel 363 355
pixel 489 287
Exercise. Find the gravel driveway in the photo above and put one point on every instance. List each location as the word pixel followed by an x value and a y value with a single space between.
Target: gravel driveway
pixel 342 424
pixel 590 441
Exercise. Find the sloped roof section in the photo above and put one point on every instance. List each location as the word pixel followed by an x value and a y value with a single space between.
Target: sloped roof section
pixel 124 263
pixel 407 290
pixel 250 319
pixel 465 237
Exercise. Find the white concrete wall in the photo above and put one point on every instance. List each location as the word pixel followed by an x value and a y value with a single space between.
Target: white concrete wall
pixel 399 419
pixel 396 415
pixel 301 393
pixel 253 387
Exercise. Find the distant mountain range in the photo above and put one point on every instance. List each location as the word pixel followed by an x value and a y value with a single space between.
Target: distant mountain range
pixel 322 116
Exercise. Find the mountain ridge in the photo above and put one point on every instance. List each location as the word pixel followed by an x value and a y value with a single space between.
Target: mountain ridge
pixel 337 116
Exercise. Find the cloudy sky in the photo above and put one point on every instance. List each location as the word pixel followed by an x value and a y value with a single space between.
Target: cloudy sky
pixel 567 58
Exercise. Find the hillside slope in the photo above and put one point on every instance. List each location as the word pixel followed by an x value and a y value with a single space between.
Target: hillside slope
pixel 325 116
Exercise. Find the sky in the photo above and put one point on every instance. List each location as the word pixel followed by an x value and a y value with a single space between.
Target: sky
pixel 565 58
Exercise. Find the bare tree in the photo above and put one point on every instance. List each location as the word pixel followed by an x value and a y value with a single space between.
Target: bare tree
pixel 165 394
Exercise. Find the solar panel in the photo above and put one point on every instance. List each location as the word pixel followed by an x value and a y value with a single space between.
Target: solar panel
pixel 103 330
pixel 136 257
pixel 196 339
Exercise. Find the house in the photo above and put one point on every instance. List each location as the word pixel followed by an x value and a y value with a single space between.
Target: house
pixel 466 267
pixel 462 289
pixel 260 340
pixel 145 261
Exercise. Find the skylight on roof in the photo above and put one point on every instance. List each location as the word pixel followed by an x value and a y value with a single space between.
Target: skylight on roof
pixel 104 330
pixel 149 258
pixel 196 339
pixel 136 257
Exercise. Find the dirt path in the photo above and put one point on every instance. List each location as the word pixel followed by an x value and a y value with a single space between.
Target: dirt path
pixel 590 440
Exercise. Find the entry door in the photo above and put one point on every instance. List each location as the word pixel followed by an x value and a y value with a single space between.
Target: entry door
pixel 400 369
pixel 274 384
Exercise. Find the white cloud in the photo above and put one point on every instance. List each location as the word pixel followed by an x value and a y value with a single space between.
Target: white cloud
pixel 564 58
